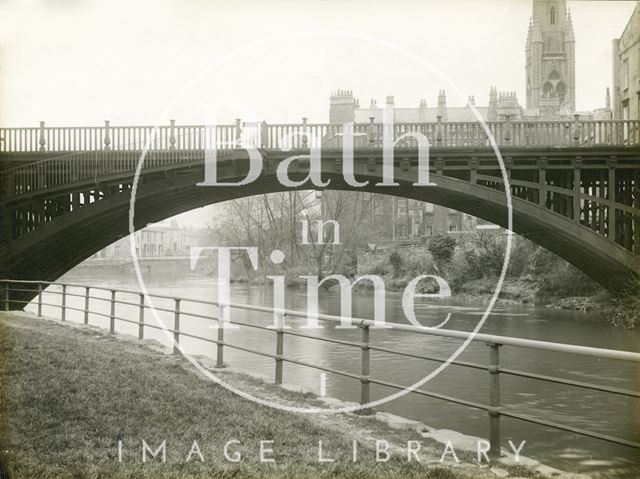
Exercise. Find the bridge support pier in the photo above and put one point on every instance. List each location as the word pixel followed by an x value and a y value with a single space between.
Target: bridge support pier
pixel 611 196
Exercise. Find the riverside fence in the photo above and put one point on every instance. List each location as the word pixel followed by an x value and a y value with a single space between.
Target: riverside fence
pixel 494 369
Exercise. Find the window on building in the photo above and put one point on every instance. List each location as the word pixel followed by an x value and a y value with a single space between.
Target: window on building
pixel 453 228
pixel 625 74
pixel 552 15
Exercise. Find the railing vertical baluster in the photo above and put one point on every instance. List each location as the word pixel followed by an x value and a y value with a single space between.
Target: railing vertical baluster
pixel 86 304
pixel 141 318
pixel 112 316
pixel 39 300
pixel 63 312
pixel 365 385
pixel 220 345
pixel 176 326
pixel 279 348
pixel 494 400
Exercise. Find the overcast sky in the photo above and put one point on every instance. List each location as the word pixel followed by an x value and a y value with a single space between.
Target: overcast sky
pixel 80 62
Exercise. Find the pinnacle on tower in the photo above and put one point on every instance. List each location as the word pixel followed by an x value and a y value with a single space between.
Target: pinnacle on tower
pixel 536 34
pixel 569 37
pixel 442 105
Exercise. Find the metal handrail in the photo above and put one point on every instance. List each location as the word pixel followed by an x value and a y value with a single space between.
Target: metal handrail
pixel 494 409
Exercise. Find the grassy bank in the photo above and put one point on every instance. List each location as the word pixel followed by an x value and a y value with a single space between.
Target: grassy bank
pixel 70 393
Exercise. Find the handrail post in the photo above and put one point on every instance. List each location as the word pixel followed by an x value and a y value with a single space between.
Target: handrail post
pixel 107 139
pixel 39 300
pixel 507 129
pixel 305 139
pixel 63 312
pixel 141 318
pixel 172 135
pixel 112 317
pixel 42 140
pixel 576 129
pixel 365 385
pixel 494 400
pixel 264 135
pixel 371 131
pixel 6 296
pixel 279 348
pixel 220 345
pixel 86 304
pixel 176 326
pixel 238 133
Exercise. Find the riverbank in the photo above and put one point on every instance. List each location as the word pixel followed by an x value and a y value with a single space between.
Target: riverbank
pixel 71 393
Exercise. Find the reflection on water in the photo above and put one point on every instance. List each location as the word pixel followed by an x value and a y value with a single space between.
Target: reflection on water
pixel 605 413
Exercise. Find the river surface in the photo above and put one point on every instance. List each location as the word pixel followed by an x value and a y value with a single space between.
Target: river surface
pixel 614 415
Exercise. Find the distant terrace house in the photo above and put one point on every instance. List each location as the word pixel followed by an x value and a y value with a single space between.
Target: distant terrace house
pixel 156 240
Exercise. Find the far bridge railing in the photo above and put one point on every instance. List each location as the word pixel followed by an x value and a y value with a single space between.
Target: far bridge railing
pixel 196 319
pixel 525 134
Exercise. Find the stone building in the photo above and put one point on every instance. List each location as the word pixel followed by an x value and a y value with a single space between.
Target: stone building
pixel 550 95
pixel 626 70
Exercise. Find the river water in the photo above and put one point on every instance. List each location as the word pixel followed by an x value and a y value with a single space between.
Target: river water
pixel 610 414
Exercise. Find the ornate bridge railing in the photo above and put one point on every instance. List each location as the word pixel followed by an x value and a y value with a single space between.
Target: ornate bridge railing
pixel 111 308
pixel 303 135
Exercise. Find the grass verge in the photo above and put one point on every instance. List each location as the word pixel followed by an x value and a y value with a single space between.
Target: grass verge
pixel 69 394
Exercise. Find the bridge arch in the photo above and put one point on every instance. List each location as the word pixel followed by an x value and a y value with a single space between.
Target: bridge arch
pixel 57 246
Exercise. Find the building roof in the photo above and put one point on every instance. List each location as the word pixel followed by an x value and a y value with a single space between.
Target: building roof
pixel 420 115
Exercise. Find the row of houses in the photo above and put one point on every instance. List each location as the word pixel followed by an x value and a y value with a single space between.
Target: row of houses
pixel 165 239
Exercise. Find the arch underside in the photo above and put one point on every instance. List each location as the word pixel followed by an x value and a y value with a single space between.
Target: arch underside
pixel 55 247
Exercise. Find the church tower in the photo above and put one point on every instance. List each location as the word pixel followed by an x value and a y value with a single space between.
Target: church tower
pixel 550 59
